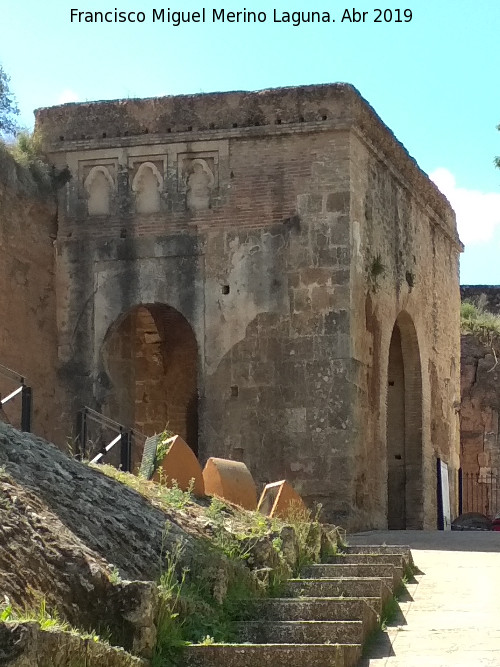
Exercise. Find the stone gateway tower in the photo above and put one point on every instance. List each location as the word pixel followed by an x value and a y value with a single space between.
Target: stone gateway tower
pixel 273 276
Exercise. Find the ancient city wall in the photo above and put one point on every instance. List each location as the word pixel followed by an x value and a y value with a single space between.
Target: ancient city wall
pixel 480 408
pixel 28 332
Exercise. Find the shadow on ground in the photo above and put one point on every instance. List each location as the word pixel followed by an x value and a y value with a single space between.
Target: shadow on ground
pixel 437 540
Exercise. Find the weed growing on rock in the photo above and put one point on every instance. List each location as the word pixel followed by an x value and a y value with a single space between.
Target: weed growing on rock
pixel 163 446
pixel 391 611
pixel 207 641
pixel 174 496
pixel 308 531
pixel 198 604
pixel 168 497
pixel 169 627
pixel 114 576
pixel 216 508
pixel 47 620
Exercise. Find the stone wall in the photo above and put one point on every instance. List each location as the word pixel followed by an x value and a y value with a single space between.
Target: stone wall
pixel 28 333
pixel 480 450
pixel 404 271
pixel 479 413
pixel 289 230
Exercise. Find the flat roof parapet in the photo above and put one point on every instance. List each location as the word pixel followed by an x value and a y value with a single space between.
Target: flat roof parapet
pixel 196 113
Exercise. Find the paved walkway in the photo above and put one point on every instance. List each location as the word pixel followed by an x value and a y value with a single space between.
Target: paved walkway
pixel 451 615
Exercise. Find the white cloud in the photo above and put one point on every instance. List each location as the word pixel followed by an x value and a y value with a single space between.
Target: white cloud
pixel 478 213
pixel 67 95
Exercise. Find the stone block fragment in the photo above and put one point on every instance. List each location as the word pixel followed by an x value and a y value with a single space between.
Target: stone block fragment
pixel 180 464
pixel 231 481
pixel 279 499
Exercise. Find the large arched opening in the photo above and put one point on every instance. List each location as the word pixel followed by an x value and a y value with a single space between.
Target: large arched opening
pixel 404 428
pixel 150 355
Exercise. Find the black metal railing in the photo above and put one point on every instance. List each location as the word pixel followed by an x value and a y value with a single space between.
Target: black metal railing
pixel 479 492
pixel 98 437
pixel 25 393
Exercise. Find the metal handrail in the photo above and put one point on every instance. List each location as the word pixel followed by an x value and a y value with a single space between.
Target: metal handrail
pixel 12 375
pixel 124 435
pixel 26 396
pixel 102 419
pixel 12 395
pixel 113 442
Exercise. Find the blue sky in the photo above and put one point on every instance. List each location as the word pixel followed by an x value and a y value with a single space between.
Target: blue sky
pixel 433 80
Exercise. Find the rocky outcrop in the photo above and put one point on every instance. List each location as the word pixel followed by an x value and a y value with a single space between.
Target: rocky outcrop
pixel 90 550
pixel 98 515
pixel 26 645
pixel 76 540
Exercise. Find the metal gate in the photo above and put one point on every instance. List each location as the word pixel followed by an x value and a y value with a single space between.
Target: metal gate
pixel 479 492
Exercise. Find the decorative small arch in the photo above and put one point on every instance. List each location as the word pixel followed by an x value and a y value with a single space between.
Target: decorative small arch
pixel 206 169
pixel 99 185
pixel 147 186
pixel 200 182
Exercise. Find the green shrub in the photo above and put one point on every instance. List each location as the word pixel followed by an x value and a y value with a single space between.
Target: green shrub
pixel 476 320
pixel 27 151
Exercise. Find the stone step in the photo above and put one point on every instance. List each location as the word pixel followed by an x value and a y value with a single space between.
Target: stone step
pixel 338 570
pixel 314 609
pixel 397 560
pixel 301 632
pixel 399 549
pixel 355 587
pixel 271 655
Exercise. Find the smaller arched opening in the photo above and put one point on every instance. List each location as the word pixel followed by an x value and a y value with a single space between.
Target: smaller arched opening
pixel 404 428
pixel 150 355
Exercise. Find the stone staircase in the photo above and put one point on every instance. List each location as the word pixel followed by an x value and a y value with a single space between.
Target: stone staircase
pixel 322 620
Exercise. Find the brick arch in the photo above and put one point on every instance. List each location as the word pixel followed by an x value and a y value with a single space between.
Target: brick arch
pixel 404 428
pixel 150 356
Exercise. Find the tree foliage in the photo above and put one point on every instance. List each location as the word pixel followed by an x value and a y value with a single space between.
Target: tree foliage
pixel 8 106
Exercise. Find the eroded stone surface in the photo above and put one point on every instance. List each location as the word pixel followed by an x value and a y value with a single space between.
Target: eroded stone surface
pixel 28 331
pixel 26 645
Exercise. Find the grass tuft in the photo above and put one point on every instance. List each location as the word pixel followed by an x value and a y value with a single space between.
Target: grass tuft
pixel 47 620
